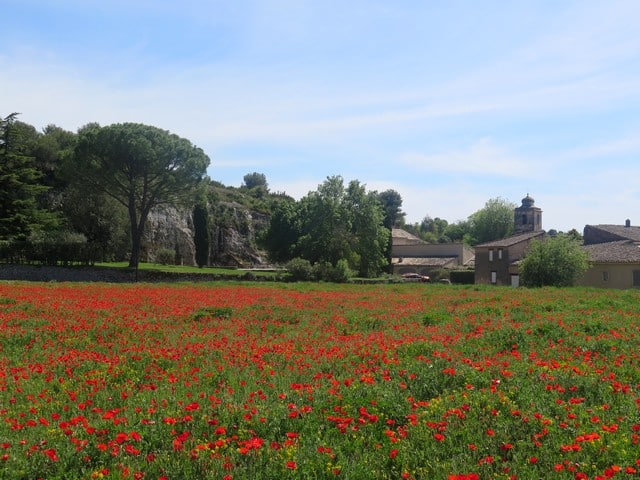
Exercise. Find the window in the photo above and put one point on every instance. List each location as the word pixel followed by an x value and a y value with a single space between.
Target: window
pixel 605 276
pixel 499 254
pixel 636 278
pixel 491 255
pixel 494 276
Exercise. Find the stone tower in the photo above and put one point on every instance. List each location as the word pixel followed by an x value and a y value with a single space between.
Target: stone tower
pixel 527 217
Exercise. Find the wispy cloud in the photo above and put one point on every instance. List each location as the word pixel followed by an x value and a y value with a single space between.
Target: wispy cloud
pixel 483 157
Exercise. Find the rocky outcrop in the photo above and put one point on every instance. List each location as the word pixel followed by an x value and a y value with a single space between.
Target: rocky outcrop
pixel 169 229
pixel 232 228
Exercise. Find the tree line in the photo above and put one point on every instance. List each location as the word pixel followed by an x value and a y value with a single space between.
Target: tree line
pixel 86 196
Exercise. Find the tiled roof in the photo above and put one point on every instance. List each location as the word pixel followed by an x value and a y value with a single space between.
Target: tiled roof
pixel 623 251
pixel 512 240
pixel 423 261
pixel 631 232
pixel 402 237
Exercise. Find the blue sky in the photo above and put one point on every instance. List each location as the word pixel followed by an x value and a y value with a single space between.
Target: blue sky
pixel 450 103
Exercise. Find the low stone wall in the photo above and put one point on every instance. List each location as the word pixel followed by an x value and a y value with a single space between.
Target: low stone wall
pixel 36 273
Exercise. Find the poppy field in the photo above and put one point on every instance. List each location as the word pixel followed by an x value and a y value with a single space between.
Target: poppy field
pixel 314 381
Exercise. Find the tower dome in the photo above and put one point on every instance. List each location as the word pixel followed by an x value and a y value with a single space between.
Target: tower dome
pixel 528 201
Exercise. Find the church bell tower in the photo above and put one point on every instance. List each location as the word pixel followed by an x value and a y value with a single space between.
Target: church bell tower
pixel 527 217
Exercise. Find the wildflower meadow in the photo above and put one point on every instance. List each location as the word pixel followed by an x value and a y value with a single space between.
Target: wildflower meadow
pixel 314 381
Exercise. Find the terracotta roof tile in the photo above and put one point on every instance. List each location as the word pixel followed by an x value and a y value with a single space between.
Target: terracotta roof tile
pixel 623 251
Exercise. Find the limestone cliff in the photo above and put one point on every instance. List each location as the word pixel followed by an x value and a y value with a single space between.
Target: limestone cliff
pixel 232 228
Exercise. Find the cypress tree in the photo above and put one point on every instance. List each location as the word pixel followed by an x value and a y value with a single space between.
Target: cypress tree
pixel 201 234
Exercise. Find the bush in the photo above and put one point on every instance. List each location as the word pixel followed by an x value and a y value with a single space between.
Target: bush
pixel 322 271
pixel 341 273
pixel 165 256
pixel 555 261
pixel 300 269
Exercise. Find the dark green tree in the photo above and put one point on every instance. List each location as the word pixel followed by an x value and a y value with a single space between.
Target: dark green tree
pixel 555 261
pixel 140 167
pixel 102 220
pixel 392 206
pixel 281 237
pixel 255 179
pixel 493 222
pixel 20 187
pixel 202 234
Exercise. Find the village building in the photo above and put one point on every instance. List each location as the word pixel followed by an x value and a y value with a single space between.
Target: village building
pixel 497 262
pixel 614 253
pixel 410 254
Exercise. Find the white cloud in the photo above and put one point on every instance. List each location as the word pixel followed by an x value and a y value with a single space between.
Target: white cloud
pixel 481 158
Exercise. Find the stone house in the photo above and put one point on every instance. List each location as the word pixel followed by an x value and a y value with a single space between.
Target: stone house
pixel 410 254
pixel 497 262
pixel 614 253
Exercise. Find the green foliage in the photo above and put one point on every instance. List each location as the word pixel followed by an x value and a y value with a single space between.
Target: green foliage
pixel 331 224
pixel 166 256
pixel 300 269
pixel 201 237
pixel 392 206
pixel 255 180
pixel 556 261
pixel 283 232
pixel 20 187
pixel 140 166
pixel 493 222
pixel 205 313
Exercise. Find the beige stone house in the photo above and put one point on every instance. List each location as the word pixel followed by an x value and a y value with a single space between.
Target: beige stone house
pixel 614 253
pixel 410 254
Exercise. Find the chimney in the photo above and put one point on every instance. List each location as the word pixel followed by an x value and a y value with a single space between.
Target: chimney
pixel 627 223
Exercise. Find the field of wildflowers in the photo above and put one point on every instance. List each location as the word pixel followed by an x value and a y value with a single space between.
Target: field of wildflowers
pixel 256 381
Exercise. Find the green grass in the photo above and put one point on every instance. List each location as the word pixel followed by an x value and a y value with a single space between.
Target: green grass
pixel 187 269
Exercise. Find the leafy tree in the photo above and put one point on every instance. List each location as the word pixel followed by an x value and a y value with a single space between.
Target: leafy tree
pixel 331 224
pixel 370 236
pixel 432 230
pixel 139 166
pixel 51 148
pixel 20 188
pixel 255 179
pixel 101 219
pixel 555 261
pixel 459 231
pixel 392 206
pixel 493 222
pixel 282 235
pixel 325 225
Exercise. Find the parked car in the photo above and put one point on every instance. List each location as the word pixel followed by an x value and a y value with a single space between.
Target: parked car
pixel 415 277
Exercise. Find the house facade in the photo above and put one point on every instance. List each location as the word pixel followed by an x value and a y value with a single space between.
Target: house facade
pixel 497 262
pixel 614 253
pixel 410 254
